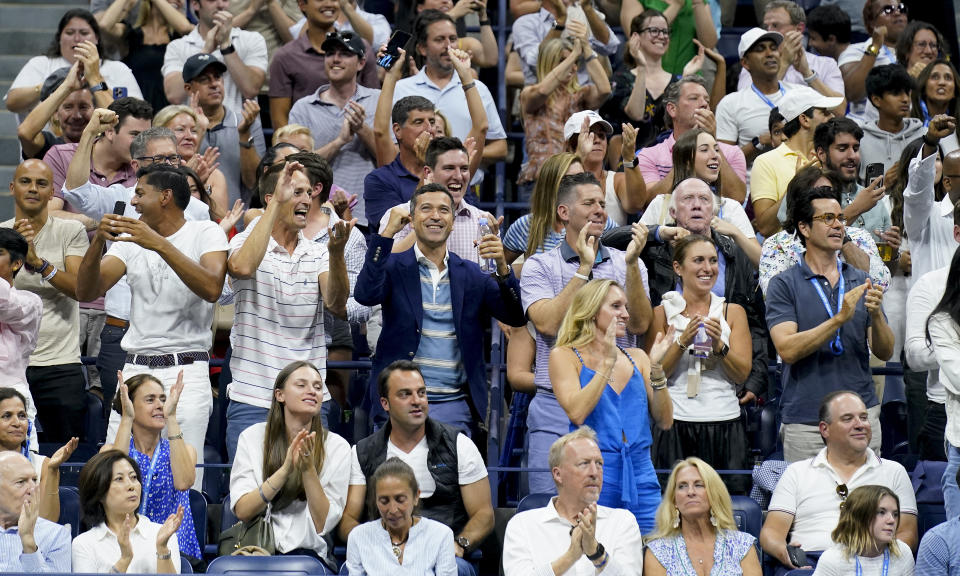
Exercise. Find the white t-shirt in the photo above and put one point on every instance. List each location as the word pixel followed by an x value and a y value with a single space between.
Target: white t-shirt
pixel 862 110
pixel 470 466
pixel 834 563
pixel 808 491
pixel 730 210
pixel 96 550
pixel 293 526
pixel 742 115
pixel 165 315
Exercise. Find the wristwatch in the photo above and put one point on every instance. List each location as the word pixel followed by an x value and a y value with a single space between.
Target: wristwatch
pixel 98 87
pixel 598 554
pixel 873 49
pixel 723 352
pixel 558 26
pixel 635 163
pixel 760 148
pixel 464 542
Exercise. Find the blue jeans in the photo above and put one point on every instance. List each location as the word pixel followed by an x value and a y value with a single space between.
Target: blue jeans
pixel 110 359
pixel 951 493
pixel 241 416
pixel 455 413
pixel 465 568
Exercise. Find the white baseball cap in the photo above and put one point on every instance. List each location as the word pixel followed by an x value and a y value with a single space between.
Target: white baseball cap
pixel 575 122
pixel 799 99
pixel 754 35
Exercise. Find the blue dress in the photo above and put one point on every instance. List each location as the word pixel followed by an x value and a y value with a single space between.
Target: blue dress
pixel 622 424
pixel 163 499
pixel 729 549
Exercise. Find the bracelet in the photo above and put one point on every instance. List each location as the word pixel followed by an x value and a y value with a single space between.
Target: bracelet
pixel 681 345
pixel 262 496
pixel 602 564
pixel 590 58
pixel 163 556
pixel 270 484
pixel 658 384
pixel 485 22
pixel 581 276
pixel 175 437
pixel 812 77
pixel 469 85
pixel 51 274
pixel 228 50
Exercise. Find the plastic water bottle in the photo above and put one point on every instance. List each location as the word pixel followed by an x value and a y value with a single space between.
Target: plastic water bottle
pixel 702 343
pixel 488 265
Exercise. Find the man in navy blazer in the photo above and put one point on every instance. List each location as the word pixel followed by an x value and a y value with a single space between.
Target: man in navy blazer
pixel 435 307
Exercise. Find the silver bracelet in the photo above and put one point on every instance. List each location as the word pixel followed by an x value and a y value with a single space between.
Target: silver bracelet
pixel 581 276
pixel 51 274
pixel 811 78
pixel 163 556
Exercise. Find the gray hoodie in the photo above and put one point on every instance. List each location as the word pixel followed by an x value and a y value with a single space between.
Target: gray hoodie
pixel 881 146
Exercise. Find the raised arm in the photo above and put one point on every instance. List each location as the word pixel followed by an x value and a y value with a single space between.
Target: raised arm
pixel 335 284
pixel 546 314
pixel 855 73
pixel 478 114
pixel 29 132
pixel 248 78
pixel 111 19
pixel 638 302
pixel 183 456
pixel 535 97
pixel 78 172
pixel 386 148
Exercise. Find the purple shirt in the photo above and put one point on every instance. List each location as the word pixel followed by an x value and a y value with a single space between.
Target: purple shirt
pixel 58 159
pixel 656 161
pixel 297 70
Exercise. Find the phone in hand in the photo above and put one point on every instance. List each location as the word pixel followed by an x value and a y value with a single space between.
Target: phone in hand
pixel 119 208
pixel 397 41
pixel 797 556
pixel 875 170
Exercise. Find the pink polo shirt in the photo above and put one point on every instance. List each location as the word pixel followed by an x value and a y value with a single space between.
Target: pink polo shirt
pixel 656 161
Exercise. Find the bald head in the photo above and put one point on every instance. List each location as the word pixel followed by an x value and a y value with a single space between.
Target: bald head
pixel 693 205
pixel 18 483
pixel 32 188
pixel 11 459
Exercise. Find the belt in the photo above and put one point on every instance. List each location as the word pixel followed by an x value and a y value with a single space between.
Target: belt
pixel 167 360
pixel 118 322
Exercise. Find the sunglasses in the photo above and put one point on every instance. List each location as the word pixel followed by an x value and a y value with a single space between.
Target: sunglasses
pixel 842 492
pixel 890 9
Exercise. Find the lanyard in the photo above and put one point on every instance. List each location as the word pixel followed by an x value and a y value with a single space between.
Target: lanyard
pixel 926 113
pixel 886 563
pixel 148 479
pixel 836 346
pixel 764 96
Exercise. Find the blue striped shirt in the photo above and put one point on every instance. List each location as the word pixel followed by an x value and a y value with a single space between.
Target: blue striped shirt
pixel 518 235
pixel 438 354
pixel 429 551
pixel 940 550
pixel 53 549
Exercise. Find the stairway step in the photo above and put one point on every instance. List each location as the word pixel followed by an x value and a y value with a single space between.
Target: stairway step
pixel 29 42
pixel 10 66
pixel 19 17
pixel 8 125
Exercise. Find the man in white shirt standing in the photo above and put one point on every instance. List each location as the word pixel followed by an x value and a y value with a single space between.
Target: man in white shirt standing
pixel 175 269
pixel 572 535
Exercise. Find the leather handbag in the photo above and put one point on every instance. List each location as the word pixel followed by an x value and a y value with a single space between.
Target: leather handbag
pixel 258 532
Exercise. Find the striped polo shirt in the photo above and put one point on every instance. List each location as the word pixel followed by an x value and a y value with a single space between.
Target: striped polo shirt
pixel 438 354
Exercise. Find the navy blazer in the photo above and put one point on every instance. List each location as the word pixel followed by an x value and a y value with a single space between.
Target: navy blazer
pixel 393 281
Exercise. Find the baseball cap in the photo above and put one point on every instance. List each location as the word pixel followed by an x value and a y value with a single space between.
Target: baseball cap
pixel 198 63
pixel 53 81
pixel 576 121
pixel 799 99
pixel 345 39
pixel 754 35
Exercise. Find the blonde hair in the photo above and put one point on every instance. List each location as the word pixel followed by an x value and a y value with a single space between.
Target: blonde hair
pixel 560 444
pixel 543 201
pixel 446 123
pixel 719 499
pixel 143 16
pixel 578 327
pixel 853 532
pixel 290 130
pixel 550 56
pixel 168 113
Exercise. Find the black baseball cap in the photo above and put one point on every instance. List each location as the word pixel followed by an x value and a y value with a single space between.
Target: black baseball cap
pixel 53 81
pixel 345 39
pixel 198 63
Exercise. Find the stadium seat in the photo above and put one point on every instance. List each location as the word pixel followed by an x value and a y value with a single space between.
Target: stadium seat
pixel 747 514
pixel 94 425
pixel 70 509
pixel 185 567
pixel 287 565
pixel 198 508
pixel 227 517
pixel 893 426
pixel 928 516
pixel 531 501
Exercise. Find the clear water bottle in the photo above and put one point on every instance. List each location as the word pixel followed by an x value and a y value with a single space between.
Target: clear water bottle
pixel 488 265
pixel 702 343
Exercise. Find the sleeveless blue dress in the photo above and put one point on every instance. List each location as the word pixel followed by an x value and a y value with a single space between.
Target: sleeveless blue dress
pixel 622 424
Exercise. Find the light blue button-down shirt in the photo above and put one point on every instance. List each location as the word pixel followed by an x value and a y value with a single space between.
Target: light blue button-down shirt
pixel 53 549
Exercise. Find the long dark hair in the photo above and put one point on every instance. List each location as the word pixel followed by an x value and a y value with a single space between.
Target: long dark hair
pixel 8 393
pixel 94 483
pixel 685 157
pixel 275 441
pixel 918 97
pixel 950 303
pixel 54 50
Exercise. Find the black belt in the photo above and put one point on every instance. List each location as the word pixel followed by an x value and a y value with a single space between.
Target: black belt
pixel 167 360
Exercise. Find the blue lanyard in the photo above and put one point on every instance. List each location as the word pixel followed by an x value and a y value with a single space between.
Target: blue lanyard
pixel 836 346
pixel 148 479
pixel 926 113
pixel 764 96
pixel 886 563
pixel 25 447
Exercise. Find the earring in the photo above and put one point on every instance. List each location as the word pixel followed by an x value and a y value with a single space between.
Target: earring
pixel 713 519
pixel 676 517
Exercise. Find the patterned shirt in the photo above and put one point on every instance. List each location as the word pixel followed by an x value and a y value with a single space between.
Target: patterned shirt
pixel 438 353
pixel 729 549
pixel 940 550
pixel 53 549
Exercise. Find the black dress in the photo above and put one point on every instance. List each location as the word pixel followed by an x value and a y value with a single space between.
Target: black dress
pixel 652 123
pixel 146 60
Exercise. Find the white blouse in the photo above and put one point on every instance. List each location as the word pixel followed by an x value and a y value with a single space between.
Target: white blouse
pixel 97 550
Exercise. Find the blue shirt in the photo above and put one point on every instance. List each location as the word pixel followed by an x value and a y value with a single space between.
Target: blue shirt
pixel 53 549
pixel 386 187
pixel 940 550
pixel 792 298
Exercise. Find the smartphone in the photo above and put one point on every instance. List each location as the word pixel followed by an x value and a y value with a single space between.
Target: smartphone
pixel 397 41
pixel 119 92
pixel 873 171
pixel 119 208
pixel 797 556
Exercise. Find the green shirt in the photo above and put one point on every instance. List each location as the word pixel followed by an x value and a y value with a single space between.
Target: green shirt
pixel 682 32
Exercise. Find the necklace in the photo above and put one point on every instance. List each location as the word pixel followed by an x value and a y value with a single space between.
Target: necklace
pixel 398 545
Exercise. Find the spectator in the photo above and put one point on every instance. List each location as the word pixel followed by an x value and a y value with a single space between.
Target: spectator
pixel 243 54
pixel 552 21
pixel 76 40
pixel 937 91
pixel 943 332
pixel 484 49
pixel 938 552
pixel 550 280
pixel 272 20
pixel 823 341
pixel 397 496
pixel 66 104
pixel 266 321
pixel 687 22
pixel 698 155
pixel 447 164
pixel 55 373
pixel 119 539
pixel 143 36
pixel 586 133
pixel 170 462
pixel 183 121
pixel 554 98
pixel 885 21
pixel 15 431
pixel 234 132
pixel 568 533
pixel 295 134
pixel 299 68
pixel 170 319
pixel 298 479
pixel 799 66
pixel 114 47
pixel 919 45
pixel 865 538
pixel 828 30
pixel 449 470
pixel 803 109
pixel 615 395
pixel 808 497
pixel 374 28
pixel 701 512
pixel 888 88
pixel 20 313
pixel 455 366
pixel 687 106
pixel 340 116
pixel 704 390
pixel 30 543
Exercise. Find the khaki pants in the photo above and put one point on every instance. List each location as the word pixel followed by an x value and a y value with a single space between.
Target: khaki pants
pixel 802 441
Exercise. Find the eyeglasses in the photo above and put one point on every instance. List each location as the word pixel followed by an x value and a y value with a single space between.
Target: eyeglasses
pixel 890 9
pixel 842 492
pixel 829 218
pixel 173 159
pixel 665 32
pixel 927 45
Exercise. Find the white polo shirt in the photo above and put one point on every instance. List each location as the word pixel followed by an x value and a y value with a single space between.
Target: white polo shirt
pixel 808 491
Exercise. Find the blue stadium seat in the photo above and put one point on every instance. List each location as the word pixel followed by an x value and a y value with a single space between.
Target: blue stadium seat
pixel 769 429
pixel 94 425
pixel 70 509
pixel 747 514
pixel 227 517
pixel 531 501
pixel 928 516
pixel 893 426
pixel 344 571
pixel 185 567
pixel 198 508
pixel 287 565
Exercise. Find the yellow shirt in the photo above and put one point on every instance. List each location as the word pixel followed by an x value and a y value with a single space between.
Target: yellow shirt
pixel 772 171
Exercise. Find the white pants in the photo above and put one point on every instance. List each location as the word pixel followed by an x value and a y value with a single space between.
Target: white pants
pixel 193 409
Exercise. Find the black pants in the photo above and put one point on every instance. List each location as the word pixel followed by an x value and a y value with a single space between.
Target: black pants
pixel 60 395
pixel 931 436
pixel 915 387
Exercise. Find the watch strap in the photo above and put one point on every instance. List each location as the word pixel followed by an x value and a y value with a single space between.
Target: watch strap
pixel 98 87
pixel 598 554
